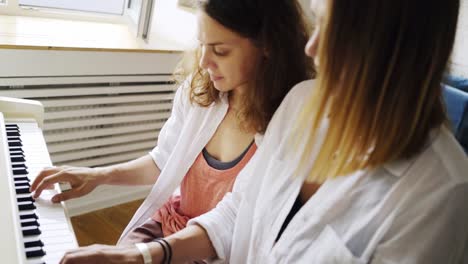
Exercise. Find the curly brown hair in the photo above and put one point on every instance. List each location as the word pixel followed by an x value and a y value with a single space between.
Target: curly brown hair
pixel 276 26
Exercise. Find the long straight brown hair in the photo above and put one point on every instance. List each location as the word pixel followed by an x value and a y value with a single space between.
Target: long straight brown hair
pixel 378 84
pixel 277 26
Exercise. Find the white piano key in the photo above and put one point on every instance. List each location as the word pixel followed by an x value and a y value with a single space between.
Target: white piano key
pixel 56 231
pixel 37 261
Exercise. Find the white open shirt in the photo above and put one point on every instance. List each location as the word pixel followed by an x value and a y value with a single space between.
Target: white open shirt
pixel 182 138
pixel 413 211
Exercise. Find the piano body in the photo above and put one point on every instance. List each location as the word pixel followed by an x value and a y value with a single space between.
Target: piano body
pixel 31 231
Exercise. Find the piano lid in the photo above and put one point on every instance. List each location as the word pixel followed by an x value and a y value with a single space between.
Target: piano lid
pixel 22 108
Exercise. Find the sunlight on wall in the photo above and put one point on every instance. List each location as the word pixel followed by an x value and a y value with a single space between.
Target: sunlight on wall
pixel 460 51
pixel 176 26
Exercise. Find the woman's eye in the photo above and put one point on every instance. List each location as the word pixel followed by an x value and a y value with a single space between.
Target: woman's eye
pixel 220 52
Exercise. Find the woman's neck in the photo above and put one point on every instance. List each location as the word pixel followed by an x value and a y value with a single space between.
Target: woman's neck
pixel 235 100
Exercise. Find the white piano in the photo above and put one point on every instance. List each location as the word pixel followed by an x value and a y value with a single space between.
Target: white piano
pixel 31 231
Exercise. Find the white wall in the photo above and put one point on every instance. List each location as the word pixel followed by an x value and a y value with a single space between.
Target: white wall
pixel 172 27
pixel 22 62
pixel 459 64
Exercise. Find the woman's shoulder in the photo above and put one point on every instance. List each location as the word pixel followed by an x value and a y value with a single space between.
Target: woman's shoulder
pixel 296 97
pixel 453 160
pixel 437 173
pixel 300 92
pixel 293 102
pixel 287 113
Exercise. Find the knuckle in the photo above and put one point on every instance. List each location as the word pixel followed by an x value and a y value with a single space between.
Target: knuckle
pixel 46 180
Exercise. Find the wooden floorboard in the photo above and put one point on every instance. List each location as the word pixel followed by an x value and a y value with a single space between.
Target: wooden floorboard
pixel 103 226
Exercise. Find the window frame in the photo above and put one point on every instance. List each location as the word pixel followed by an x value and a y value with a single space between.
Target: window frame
pixel 13 8
pixel 140 28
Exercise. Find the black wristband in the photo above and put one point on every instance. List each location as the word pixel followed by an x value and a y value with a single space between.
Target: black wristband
pixel 164 250
pixel 169 249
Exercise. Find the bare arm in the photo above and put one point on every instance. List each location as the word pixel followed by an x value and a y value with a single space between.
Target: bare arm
pixel 142 171
pixel 83 180
pixel 190 244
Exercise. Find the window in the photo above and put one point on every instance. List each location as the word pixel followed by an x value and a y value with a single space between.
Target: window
pixel 115 7
pixel 134 9
pixel 135 13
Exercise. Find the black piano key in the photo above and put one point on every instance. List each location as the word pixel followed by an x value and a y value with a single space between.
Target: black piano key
pixel 37 243
pixel 29 223
pixel 22 190
pixel 15 149
pixel 17 158
pixel 20 172
pixel 28 216
pixel 14 154
pixel 13 134
pixel 11 125
pixel 14 139
pixel 35 253
pixel 19 166
pixel 31 231
pixel 17 179
pixel 26 206
pixel 22 184
pixel 21 179
pixel 15 144
pixel 25 199
pixel 31 220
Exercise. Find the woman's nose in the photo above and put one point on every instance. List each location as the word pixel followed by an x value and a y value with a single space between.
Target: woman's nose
pixel 205 60
pixel 312 45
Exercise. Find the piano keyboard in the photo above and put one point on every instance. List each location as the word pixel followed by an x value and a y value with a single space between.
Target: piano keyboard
pixel 46 232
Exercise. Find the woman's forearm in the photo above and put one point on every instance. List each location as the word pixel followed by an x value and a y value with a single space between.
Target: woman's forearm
pixel 142 171
pixel 191 243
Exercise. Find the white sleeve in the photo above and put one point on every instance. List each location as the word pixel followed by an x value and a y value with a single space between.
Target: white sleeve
pixel 438 236
pixel 170 132
pixel 219 223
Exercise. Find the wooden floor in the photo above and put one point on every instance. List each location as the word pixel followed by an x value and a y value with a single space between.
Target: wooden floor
pixel 103 226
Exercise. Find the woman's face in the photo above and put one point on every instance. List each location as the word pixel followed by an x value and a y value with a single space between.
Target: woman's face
pixel 230 59
pixel 318 8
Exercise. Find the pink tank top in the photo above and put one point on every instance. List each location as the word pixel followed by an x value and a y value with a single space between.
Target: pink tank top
pixel 201 190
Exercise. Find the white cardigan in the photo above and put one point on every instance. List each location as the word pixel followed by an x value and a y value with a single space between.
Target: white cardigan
pixel 412 211
pixel 182 138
